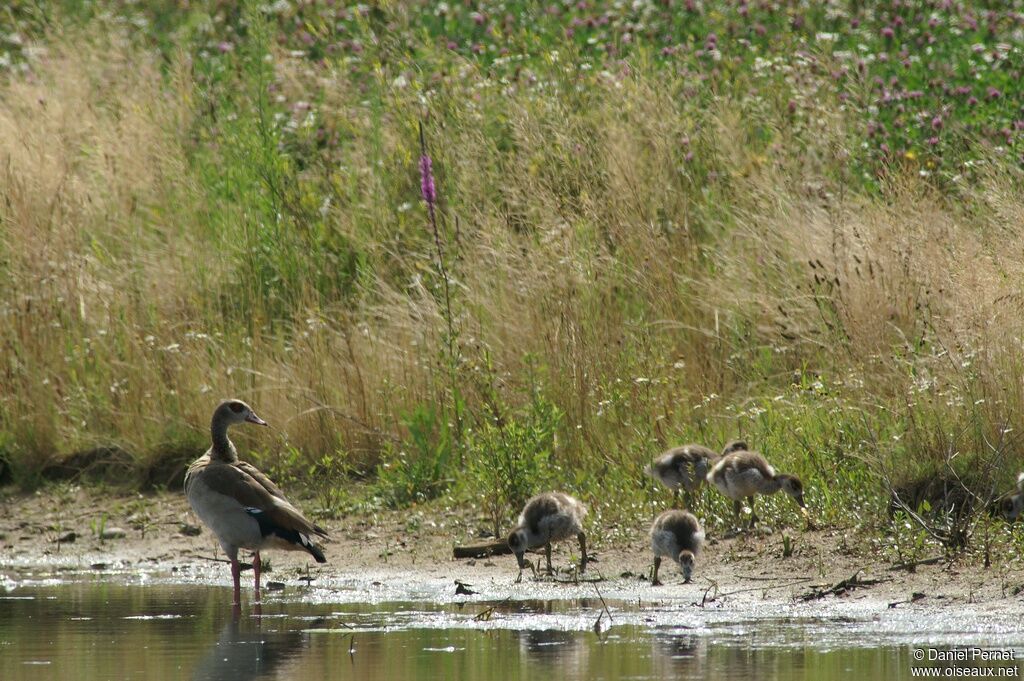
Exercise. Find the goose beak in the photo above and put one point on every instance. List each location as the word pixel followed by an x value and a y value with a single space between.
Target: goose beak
pixel 252 418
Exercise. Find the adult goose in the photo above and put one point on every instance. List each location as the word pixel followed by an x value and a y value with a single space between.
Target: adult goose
pixel 243 508
pixel 741 475
pixel 686 467
pixel 547 518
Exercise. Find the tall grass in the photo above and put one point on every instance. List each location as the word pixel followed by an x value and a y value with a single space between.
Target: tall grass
pixel 647 259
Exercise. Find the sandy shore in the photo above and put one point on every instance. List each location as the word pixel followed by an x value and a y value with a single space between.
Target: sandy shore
pixel 407 555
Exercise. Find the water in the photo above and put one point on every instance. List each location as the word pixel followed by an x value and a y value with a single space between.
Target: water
pixel 101 630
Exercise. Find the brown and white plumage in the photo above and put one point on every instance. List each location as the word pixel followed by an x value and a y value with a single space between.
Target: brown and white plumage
pixel 743 474
pixel 686 467
pixel 241 505
pixel 676 535
pixel 1011 506
pixel 547 518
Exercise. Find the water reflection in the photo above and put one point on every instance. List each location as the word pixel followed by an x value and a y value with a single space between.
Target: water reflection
pixel 244 651
pixel 562 652
pixel 99 630
pixel 676 655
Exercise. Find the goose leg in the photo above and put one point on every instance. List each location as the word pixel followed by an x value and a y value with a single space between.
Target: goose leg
pixel 547 554
pixel 654 578
pixel 583 551
pixel 236 572
pixel 753 515
pixel 256 569
pixel 736 508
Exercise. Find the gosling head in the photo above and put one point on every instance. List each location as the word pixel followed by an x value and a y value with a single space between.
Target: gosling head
pixel 735 446
pixel 791 485
pixel 685 560
pixel 237 411
pixel 517 542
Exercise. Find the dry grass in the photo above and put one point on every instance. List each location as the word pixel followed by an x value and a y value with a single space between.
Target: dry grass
pixel 594 263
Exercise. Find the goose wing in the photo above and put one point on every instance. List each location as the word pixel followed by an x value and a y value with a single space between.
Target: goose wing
pixel 247 490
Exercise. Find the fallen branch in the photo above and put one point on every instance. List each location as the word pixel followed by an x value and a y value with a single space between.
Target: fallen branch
pixel 482 550
pixel 852 582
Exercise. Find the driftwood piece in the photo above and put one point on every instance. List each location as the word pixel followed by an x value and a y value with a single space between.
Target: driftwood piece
pixel 482 549
pixel 855 581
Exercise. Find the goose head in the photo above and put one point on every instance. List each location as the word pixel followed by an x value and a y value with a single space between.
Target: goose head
pixel 231 412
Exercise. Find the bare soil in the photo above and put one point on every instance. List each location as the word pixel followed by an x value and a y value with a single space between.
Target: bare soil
pixel 408 554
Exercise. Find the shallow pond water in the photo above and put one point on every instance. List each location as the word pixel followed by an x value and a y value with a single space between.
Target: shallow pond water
pixel 98 629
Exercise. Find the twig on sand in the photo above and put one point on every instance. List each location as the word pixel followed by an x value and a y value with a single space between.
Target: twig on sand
pixel 603 605
pixel 914 598
pixel 576 579
pixel 852 582
pixel 485 615
pixel 912 565
pixel 774 579
pixel 704 599
pixel 786 582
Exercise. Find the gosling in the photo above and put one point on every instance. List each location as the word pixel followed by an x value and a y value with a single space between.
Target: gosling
pixel 676 535
pixel 743 474
pixel 687 466
pixel 547 518
pixel 1011 507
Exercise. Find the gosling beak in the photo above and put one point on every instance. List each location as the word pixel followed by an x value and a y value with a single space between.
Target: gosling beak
pixel 801 504
pixel 252 418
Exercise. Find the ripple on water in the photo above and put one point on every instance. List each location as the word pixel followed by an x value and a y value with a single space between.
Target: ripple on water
pixel 174 631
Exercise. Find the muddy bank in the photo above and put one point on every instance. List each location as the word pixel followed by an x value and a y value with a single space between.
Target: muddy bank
pixel 407 556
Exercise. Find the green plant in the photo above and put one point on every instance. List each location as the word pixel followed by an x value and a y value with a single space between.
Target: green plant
pixel 420 469
pixel 99 526
pixel 511 460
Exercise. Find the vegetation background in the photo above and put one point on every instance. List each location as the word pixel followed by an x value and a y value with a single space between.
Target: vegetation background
pixel 795 222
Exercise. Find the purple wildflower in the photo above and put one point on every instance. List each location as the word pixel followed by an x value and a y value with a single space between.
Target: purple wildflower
pixel 427 188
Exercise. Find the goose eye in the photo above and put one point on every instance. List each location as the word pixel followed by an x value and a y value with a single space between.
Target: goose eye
pixel 236 407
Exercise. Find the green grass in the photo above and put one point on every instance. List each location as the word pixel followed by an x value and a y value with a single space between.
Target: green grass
pixel 654 225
